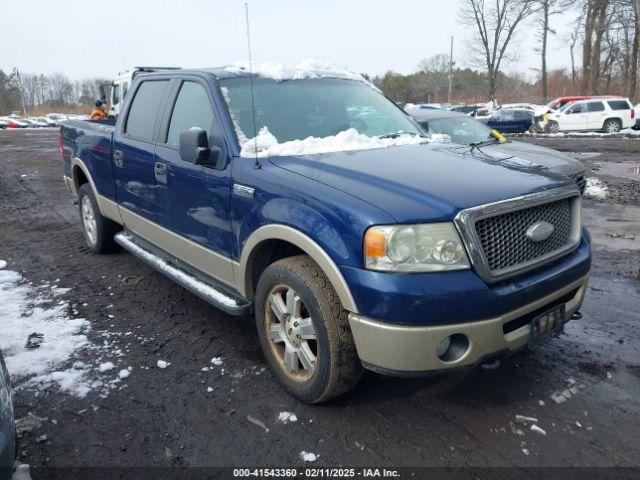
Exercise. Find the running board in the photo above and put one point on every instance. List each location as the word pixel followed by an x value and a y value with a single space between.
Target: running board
pixel 214 295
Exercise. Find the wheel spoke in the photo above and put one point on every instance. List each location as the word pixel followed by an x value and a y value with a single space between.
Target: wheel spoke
pixel 290 360
pixel 307 332
pixel 307 358
pixel 278 306
pixel 275 334
pixel 293 303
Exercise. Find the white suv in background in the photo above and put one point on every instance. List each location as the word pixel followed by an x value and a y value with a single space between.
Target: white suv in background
pixel 607 115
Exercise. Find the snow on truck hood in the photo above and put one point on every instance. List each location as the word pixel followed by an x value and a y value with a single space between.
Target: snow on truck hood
pixel 427 182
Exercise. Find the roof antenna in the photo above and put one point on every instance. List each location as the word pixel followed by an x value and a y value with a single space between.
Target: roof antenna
pixel 253 99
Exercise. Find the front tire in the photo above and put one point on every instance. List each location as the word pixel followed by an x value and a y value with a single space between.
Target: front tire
pixel 98 230
pixel 304 331
pixel 552 127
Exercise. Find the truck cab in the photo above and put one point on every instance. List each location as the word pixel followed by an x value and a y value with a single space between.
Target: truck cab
pixel 305 197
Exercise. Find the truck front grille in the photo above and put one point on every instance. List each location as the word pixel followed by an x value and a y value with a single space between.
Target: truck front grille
pixel 510 237
pixel 504 237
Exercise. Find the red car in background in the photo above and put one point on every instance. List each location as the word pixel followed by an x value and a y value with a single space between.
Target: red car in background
pixel 556 103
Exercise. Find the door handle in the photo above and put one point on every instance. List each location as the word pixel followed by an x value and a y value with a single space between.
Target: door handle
pixel 117 158
pixel 160 168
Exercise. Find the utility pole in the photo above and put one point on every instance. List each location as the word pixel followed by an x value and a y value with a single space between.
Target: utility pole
pixel 450 69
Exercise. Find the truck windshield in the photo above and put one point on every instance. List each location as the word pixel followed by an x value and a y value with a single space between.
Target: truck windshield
pixel 297 109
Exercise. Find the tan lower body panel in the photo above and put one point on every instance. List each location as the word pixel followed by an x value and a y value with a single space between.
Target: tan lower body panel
pixel 413 349
pixel 199 257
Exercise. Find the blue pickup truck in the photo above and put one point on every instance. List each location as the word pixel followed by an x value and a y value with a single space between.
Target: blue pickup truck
pixel 312 201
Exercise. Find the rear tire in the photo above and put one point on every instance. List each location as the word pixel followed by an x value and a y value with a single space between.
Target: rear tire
pixel 612 126
pixel 304 331
pixel 98 230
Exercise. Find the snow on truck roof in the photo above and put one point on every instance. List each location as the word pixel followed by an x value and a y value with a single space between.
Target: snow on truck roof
pixel 280 71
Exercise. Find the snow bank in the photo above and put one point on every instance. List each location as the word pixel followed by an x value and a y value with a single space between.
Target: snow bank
pixel 595 189
pixel 267 144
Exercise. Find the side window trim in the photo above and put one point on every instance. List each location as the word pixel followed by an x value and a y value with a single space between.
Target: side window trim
pixel 172 98
pixel 131 99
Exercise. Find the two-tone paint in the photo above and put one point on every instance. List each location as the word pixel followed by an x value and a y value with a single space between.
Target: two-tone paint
pixel 224 221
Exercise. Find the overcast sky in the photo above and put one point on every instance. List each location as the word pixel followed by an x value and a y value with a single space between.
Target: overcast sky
pixel 85 38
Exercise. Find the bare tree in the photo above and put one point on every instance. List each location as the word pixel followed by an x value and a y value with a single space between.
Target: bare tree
pixel 436 73
pixel 496 24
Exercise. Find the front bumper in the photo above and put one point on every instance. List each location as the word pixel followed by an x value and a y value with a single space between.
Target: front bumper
pixel 401 350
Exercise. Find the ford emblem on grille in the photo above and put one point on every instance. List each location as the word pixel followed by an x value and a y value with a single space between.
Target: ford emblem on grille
pixel 539 231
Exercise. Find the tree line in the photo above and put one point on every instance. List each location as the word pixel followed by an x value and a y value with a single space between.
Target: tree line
pixel 603 48
pixel 33 93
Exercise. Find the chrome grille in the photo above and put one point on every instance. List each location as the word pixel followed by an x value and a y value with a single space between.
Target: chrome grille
pixel 504 241
pixel 495 234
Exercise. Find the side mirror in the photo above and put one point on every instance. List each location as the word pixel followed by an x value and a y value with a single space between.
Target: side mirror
pixel 194 148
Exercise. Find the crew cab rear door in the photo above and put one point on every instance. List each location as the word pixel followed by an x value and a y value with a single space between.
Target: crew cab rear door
pixel 134 145
pixel 198 197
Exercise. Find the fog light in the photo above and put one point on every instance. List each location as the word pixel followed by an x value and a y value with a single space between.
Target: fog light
pixel 453 348
pixel 443 346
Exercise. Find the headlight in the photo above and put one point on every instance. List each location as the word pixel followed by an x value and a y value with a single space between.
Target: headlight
pixel 429 247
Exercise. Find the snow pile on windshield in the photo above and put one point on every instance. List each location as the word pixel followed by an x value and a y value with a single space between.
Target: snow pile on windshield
pixel 307 69
pixel 265 144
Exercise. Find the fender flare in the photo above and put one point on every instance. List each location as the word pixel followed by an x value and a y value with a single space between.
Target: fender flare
pixel 307 245
pixel 107 207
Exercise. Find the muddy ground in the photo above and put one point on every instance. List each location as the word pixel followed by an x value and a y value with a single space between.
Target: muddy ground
pixel 168 418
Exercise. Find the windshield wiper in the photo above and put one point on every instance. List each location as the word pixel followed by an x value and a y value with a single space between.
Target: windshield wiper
pixel 398 134
pixel 489 141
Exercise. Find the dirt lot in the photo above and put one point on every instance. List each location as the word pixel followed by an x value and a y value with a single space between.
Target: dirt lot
pixel 167 417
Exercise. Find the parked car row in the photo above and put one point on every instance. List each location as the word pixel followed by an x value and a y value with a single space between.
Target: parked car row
pixel 49 120
pixel 606 113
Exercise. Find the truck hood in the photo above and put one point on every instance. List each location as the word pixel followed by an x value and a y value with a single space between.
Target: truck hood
pixel 428 182
pixel 554 160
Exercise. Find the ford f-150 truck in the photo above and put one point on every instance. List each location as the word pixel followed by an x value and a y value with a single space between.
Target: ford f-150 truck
pixel 306 197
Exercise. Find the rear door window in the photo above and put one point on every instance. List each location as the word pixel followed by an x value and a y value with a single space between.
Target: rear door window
pixel 595 107
pixel 619 105
pixel 191 110
pixel 144 109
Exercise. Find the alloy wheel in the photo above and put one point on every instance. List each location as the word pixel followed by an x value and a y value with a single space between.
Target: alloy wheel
pixel 89 220
pixel 290 333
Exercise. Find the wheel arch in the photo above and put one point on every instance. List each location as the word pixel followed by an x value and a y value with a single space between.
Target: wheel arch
pixel 265 240
pixel 81 175
pixel 616 119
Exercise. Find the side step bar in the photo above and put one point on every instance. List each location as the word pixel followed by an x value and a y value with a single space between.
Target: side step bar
pixel 214 295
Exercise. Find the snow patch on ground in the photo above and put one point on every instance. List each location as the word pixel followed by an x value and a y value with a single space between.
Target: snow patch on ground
pixel 265 144
pixel 162 364
pixel 308 456
pixel 286 417
pixel 26 309
pixel 216 360
pixel 105 367
pixel 595 189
